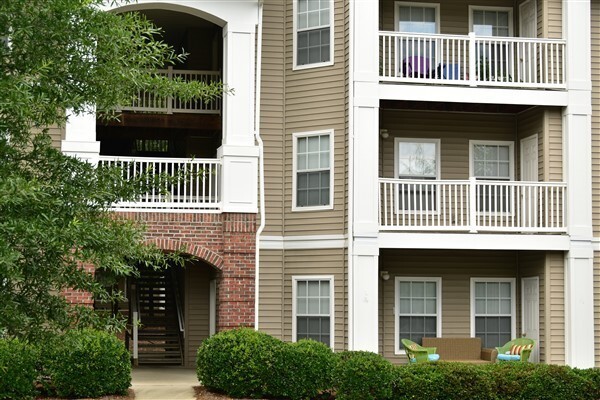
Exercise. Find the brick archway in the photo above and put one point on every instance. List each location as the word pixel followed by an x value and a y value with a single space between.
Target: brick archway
pixel 196 250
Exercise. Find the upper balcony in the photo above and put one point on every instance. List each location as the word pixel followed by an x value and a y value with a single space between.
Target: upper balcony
pixel 505 52
pixel 471 60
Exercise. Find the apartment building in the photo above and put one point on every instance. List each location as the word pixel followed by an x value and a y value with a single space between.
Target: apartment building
pixel 384 170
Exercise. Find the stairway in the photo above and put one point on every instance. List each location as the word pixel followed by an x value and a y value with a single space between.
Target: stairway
pixel 160 340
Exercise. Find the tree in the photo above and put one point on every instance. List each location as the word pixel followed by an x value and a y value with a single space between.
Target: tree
pixel 58 55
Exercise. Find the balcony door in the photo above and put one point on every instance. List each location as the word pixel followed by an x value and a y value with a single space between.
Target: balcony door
pixel 529 173
pixel 527 29
pixel 417 55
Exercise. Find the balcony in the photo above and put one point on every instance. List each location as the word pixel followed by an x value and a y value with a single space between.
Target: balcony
pixel 470 60
pixel 187 184
pixel 472 206
pixel 148 102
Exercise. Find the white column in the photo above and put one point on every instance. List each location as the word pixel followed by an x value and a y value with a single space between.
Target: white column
pixel 80 137
pixel 363 329
pixel 577 131
pixel 238 152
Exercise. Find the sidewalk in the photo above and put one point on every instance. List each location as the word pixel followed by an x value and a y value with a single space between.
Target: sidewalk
pixel 163 383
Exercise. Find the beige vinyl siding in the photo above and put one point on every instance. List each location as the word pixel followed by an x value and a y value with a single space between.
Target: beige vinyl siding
pixel 454 129
pixel 555 295
pixel 595 26
pixel 306 100
pixel 197 278
pixel 456 268
pixel 56 133
pixel 277 269
pixel 552 18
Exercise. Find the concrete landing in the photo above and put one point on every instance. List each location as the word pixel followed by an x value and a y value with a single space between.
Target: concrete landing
pixel 164 383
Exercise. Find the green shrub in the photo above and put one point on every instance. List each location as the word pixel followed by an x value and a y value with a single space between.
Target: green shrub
pixel 17 370
pixel 447 381
pixel 592 378
pixel 363 375
pixel 554 382
pixel 240 362
pixel 304 370
pixel 87 363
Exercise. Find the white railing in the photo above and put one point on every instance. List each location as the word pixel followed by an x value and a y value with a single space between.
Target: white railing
pixel 149 102
pixel 472 205
pixel 181 183
pixel 472 60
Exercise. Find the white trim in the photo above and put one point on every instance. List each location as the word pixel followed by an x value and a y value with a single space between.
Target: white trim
pixel 511 154
pixel 297 135
pixel 513 305
pixel 468 241
pixel 303 242
pixel 437 142
pixel 295 66
pixel 476 95
pixel 492 8
pixel 329 278
pixel 398 4
pixel 438 280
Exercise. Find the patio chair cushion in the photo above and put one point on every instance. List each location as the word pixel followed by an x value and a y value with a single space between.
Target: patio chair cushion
pixel 516 349
pixel 509 357
pixel 430 357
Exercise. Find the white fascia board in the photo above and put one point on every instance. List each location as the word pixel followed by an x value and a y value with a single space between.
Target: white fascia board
pixel 303 242
pixel 454 94
pixel 466 241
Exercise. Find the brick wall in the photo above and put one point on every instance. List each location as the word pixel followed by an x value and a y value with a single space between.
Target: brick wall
pixel 225 241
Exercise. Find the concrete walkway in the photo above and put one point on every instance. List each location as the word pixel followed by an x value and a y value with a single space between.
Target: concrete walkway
pixel 164 383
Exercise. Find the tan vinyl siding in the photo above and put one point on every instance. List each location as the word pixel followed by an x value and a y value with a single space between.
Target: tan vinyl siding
pixel 552 18
pixel 595 26
pixel 555 295
pixel 454 129
pixel 277 269
pixel 56 133
pixel 554 145
pixel 312 99
pixel 456 268
pixel 197 278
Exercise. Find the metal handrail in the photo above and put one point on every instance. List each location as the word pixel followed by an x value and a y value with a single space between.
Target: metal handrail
pixel 180 317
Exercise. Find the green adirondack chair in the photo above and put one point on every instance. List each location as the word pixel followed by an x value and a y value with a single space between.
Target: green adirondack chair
pixel 419 354
pixel 502 356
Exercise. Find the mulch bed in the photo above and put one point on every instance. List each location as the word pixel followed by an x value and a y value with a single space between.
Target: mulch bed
pixel 129 396
pixel 203 393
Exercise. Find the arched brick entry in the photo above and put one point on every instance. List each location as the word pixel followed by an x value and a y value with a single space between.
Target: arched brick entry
pixel 226 241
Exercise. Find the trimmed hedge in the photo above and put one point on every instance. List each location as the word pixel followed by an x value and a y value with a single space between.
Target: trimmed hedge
pixel 246 363
pixel 363 375
pixel 17 370
pixel 87 363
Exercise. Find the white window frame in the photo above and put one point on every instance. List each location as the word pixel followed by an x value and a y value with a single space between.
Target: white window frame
pixel 398 348
pixel 398 4
pixel 513 306
pixel 473 8
pixel 438 171
pixel 511 155
pixel 329 278
pixel 296 136
pixel 295 66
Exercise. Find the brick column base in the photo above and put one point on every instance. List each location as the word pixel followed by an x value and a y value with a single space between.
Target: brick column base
pixel 236 283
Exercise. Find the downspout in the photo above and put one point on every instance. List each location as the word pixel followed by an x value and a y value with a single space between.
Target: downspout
pixel 351 182
pixel 261 163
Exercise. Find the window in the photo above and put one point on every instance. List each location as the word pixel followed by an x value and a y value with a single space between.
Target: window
pixel 493 310
pixel 417 159
pixel 313 171
pixel 313 309
pixel 418 309
pixel 313 41
pixel 494 60
pixel 492 161
pixel 418 17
